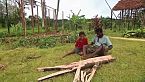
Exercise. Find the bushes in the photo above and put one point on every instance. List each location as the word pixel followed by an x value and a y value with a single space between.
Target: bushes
pixel 39 42
pixel 16 30
pixel 36 42
pixel 3 34
pixel 139 33
pixel 46 42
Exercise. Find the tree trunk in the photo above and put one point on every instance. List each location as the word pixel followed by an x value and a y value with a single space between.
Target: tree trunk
pixel 23 17
pixel 38 20
pixel 7 14
pixel 48 22
pixel 32 18
pixel 42 8
pixel 62 22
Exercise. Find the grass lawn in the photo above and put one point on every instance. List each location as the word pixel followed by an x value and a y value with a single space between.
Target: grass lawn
pixel 21 67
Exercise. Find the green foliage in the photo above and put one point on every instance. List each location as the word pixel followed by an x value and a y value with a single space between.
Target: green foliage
pixel 14 17
pixel 77 22
pixel 106 22
pixel 36 42
pixel 139 33
pixel 3 34
pixel 16 30
pixel 47 42
pixel 72 38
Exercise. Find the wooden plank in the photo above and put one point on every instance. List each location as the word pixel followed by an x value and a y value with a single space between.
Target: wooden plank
pixel 92 73
pixel 78 72
pixel 87 76
pixel 55 74
pixel 86 63
pixel 43 69
pixel 82 77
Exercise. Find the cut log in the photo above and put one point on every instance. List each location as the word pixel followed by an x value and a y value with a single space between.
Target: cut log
pixel 82 77
pixel 70 66
pixel 77 75
pixel 87 76
pixel 92 73
pixel 43 69
pixel 55 74
pixel 86 63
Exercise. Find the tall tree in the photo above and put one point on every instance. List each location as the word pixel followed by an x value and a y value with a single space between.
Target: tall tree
pixel 23 20
pixel 7 14
pixel 56 19
pixel 32 18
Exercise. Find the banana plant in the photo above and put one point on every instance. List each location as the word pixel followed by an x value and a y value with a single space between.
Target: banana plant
pixel 77 21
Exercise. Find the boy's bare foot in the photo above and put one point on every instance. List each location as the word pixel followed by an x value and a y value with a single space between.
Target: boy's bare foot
pixel 81 53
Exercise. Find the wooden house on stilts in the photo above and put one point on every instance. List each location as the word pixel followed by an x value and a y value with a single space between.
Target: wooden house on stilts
pixel 132 12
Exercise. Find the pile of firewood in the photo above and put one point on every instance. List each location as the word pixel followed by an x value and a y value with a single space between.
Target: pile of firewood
pixel 84 69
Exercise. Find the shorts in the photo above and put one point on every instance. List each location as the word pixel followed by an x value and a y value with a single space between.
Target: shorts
pixel 92 49
pixel 77 50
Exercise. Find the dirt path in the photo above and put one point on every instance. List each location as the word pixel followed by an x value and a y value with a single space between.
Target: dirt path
pixel 131 39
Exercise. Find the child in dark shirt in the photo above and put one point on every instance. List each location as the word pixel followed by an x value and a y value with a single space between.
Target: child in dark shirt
pixel 80 42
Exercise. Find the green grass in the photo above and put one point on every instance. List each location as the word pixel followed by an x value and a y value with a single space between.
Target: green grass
pixel 113 34
pixel 3 29
pixel 128 67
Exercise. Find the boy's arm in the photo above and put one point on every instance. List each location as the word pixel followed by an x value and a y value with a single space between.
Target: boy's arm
pixel 110 47
pixel 86 41
pixel 97 50
pixel 76 43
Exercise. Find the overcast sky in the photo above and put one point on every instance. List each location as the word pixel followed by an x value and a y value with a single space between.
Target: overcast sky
pixel 89 8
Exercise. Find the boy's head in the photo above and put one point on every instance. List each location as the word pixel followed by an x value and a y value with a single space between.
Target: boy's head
pixel 99 32
pixel 82 34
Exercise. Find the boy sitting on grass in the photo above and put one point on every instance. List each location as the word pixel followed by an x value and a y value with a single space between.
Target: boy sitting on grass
pixel 80 42
pixel 99 46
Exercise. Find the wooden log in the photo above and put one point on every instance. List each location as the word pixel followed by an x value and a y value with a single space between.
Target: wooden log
pixel 55 74
pixel 85 63
pixel 85 73
pixel 51 68
pixel 70 66
pixel 92 73
pixel 87 76
pixel 82 77
pixel 78 72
